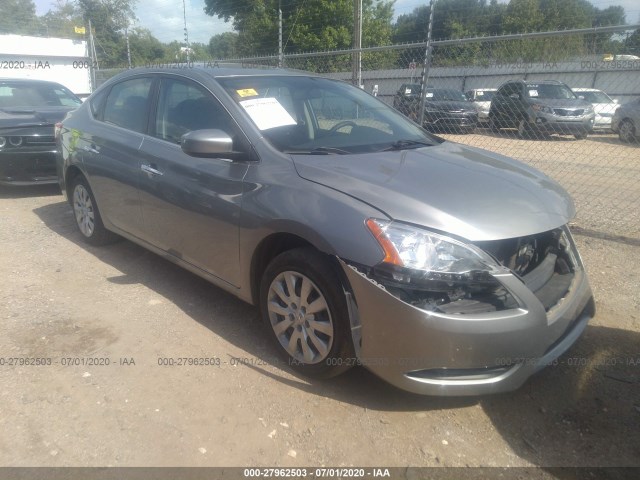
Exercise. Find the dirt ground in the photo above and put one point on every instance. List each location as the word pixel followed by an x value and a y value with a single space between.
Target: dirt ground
pixel 65 301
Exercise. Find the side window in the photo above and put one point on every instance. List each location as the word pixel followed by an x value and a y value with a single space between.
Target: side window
pixel 184 107
pixel 127 105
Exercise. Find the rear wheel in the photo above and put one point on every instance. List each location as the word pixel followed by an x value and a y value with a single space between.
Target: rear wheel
pixel 626 131
pixel 305 310
pixel 494 125
pixel 581 135
pixel 87 215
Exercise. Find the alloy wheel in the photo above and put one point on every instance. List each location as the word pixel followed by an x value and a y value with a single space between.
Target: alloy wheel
pixel 300 317
pixel 83 209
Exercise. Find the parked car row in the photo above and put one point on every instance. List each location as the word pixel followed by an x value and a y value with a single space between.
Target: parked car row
pixel 533 108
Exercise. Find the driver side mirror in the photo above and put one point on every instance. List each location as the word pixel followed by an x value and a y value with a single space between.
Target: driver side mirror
pixel 207 143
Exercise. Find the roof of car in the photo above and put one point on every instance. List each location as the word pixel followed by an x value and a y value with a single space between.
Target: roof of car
pixel 217 71
pixel 28 80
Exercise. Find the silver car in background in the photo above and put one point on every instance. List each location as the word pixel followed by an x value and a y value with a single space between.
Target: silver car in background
pixel 362 239
pixel 603 105
pixel 481 98
pixel 626 121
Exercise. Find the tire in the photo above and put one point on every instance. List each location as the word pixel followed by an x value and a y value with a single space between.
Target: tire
pixel 581 136
pixel 316 344
pixel 87 215
pixel 524 129
pixel 627 131
pixel 494 125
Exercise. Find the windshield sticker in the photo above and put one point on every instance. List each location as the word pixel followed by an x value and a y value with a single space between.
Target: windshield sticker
pixel 480 94
pixel 429 95
pixel 533 93
pixel 267 113
pixel 247 92
pixel 407 91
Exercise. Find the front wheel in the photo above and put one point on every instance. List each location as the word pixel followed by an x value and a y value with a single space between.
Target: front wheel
pixel 581 135
pixel 305 310
pixel 626 131
pixel 524 129
pixel 87 215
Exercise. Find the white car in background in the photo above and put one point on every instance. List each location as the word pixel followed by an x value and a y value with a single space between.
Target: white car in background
pixel 603 105
pixel 481 98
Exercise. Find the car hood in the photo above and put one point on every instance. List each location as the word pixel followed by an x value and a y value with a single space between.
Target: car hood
pixel 605 107
pixel 465 191
pixel 32 116
pixel 450 106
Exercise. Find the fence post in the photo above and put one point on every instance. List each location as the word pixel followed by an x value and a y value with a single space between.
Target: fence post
pixel 426 66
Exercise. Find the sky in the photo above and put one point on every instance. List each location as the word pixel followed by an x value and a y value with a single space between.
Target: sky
pixel 165 17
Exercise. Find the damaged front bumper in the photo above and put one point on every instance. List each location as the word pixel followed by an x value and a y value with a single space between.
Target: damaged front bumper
pixel 434 353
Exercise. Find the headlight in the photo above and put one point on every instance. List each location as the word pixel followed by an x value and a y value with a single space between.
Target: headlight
pixel 3 142
pixel 541 108
pixel 437 256
pixel 437 273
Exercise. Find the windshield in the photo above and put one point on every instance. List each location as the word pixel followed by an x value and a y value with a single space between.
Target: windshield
pixel 595 97
pixel 27 94
pixel 549 91
pixel 301 115
pixel 485 95
pixel 445 95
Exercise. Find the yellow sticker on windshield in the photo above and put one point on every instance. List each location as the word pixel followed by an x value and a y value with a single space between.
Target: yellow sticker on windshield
pixel 247 92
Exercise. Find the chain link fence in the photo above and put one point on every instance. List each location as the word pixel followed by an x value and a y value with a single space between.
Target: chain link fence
pixel 557 101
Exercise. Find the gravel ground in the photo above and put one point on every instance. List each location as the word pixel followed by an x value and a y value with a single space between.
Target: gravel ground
pixel 61 299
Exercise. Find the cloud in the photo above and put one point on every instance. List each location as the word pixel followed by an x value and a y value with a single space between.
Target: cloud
pixel 165 20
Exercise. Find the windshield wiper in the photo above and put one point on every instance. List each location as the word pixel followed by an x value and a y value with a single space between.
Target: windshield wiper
pixel 406 144
pixel 319 151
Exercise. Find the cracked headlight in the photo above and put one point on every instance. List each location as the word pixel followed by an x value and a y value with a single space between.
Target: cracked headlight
pixel 436 272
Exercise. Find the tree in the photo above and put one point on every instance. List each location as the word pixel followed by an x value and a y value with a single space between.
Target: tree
pixel 310 25
pixel 109 20
pixel 62 20
pixel 19 17
pixel 223 45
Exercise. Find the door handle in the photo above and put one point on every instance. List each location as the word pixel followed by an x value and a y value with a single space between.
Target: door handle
pixel 90 149
pixel 150 169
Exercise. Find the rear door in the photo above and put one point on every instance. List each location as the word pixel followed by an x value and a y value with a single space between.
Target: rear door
pixel 191 206
pixel 110 152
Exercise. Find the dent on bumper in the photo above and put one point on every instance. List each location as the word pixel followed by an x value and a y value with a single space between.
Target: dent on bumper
pixel 437 354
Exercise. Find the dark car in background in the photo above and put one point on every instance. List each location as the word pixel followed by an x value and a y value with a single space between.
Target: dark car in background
pixel 626 121
pixel 29 110
pixel 363 240
pixel 448 110
pixel 407 97
pixel 540 107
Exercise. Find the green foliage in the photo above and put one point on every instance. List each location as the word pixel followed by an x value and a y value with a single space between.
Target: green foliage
pixel 223 45
pixel 19 17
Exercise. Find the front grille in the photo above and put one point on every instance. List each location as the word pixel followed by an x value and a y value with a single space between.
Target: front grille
pixel 39 140
pixel 569 112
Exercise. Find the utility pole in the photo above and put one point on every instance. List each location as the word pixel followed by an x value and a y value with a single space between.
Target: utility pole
pixel 280 53
pixel 356 74
pixel 425 67
pixel 126 35
pixel 186 33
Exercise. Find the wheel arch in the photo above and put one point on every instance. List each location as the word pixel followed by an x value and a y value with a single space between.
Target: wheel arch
pixel 277 243
pixel 70 174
